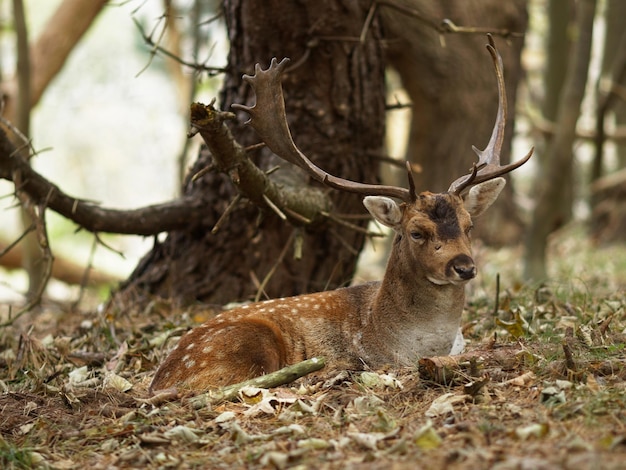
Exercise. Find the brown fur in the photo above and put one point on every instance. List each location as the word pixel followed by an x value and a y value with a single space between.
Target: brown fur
pixel 415 311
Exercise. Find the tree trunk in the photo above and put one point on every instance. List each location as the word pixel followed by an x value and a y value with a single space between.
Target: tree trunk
pixel 334 98
pixel 558 178
pixel 612 75
pixel 454 94
pixel 558 44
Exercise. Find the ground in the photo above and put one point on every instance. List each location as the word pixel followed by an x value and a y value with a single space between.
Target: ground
pixel 542 385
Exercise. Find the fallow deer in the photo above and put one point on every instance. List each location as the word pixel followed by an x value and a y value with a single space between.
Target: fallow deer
pixel 415 311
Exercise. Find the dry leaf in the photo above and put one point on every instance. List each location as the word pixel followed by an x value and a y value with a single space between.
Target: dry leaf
pixel 78 375
pixel 427 438
pixel 444 404
pixel 117 382
pixel 368 440
pixel 537 430
pixel 183 433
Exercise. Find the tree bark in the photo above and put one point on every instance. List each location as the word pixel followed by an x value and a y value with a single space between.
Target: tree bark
pixel 548 214
pixel 334 97
pixel 454 94
pixel 612 75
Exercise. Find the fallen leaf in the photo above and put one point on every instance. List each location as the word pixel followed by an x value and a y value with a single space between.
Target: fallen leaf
pixel 78 375
pixel 183 433
pixel 537 430
pixel 369 440
pixel 444 404
pixel 426 438
pixel 117 382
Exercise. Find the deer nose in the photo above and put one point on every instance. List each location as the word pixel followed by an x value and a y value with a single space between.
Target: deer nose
pixel 461 266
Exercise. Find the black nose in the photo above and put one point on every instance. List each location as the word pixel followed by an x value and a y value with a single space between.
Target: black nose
pixel 463 266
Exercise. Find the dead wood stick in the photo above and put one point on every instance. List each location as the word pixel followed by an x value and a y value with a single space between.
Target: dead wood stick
pixel 452 369
pixel 275 379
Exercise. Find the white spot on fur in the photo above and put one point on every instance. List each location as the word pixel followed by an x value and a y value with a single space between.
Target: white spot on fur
pixel 189 364
pixel 207 349
pixel 294 311
pixel 190 346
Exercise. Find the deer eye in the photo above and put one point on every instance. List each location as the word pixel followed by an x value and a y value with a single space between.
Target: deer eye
pixel 415 235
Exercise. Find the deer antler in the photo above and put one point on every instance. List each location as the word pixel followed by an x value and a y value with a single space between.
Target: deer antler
pixel 269 120
pixel 488 166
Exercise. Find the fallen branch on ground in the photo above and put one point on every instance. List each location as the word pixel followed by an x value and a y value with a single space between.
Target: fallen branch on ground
pixel 275 379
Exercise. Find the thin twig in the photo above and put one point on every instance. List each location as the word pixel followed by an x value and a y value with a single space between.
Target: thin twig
pixel 42 236
pixel 447 26
pixel 349 225
pixel 225 214
pixel 85 278
pixel 26 231
pixel 343 242
pixel 274 207
pixel 249 148
pixel 497 302
pixel 271 272
pixel 368 21
pixel 156 48
pixel 107 246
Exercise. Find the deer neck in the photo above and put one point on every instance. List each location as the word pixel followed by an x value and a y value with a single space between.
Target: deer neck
pixel 411 296
pixel 411 317
pixel 408 292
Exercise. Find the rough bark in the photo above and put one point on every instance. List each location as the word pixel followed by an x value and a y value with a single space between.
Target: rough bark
pixel 548 214
pixel 335 105
pixel 612 77
pixel 608 218
pixel 454 94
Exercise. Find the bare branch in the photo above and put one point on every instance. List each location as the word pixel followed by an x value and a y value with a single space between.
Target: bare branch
pixel 447 26
pixel 53 46
pixel 39 222
pixel 156 48
pixel 149 220
pixel 275 379
pixel 231 158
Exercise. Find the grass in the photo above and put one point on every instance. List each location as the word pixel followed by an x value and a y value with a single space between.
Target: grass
pixel 543 386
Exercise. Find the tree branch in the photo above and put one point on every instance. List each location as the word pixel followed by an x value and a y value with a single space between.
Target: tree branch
pixel 149 220
pixel 53 46
pixel 275 379
pixel 300 205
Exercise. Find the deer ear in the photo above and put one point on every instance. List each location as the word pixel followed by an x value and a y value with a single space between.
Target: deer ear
pixel 384 210
pixel 480 197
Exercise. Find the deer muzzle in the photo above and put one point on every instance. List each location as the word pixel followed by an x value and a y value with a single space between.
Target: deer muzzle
pixel 461 268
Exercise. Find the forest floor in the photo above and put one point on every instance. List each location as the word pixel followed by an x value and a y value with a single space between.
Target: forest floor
pixel 542 386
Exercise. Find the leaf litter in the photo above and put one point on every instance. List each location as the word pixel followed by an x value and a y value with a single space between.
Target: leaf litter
pixel 542 384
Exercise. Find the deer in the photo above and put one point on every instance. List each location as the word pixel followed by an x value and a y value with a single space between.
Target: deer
pixel 413 312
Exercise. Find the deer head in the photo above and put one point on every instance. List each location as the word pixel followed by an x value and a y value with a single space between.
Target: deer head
pixel 415 311
pixel 434 221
